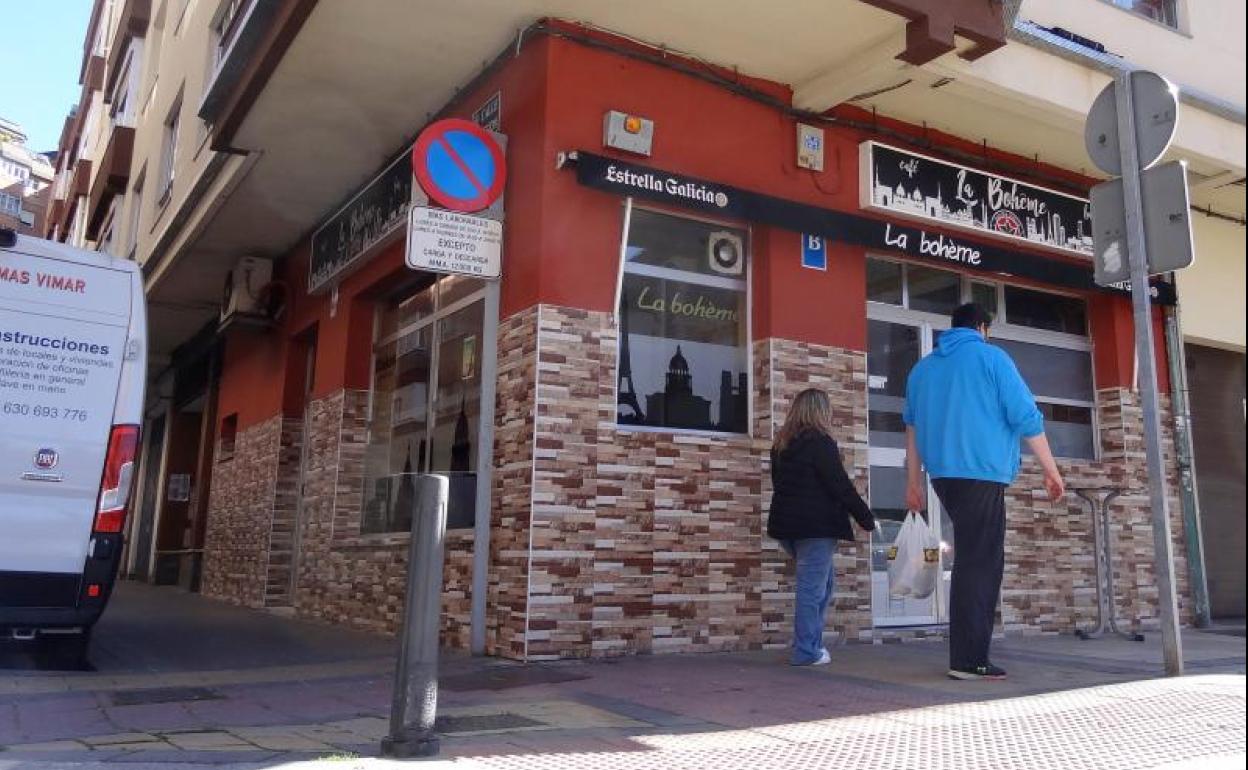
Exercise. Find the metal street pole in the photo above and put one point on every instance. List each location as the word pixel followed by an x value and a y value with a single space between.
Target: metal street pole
pixel 1163 556
pixel 415 704
pixel 485 467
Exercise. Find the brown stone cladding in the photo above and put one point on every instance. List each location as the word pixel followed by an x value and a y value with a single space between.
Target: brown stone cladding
pixel 240 516
pixel 279 577
pixel 1050 581
pixel 511 494
pixel 613 541
pixel 357 579
pixel 646 541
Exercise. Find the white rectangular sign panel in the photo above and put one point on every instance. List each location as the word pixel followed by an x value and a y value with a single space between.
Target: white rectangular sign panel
pixel 442 241
pixel 1167 224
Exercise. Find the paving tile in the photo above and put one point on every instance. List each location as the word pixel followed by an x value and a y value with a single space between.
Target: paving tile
pixel 172 759
pixel 208 741
pixel 65 727
pixel 309 707
pixel 48 746
pixel 373 728
pixel 335 737
pixel 279 739
pixel 107 740
pixel 146 718
pixel 139 746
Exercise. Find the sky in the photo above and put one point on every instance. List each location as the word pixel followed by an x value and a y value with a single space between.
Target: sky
pixel 40 55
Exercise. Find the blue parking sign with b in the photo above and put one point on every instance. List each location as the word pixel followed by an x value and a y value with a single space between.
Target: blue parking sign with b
pixel 814 252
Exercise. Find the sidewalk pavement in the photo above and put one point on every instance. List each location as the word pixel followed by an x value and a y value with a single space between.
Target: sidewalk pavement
pixel 1068 703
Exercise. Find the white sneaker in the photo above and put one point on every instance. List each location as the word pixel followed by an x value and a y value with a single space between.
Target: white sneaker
pixel 824 658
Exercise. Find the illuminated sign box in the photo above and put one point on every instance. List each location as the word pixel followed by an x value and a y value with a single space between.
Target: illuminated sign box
pixel 916 187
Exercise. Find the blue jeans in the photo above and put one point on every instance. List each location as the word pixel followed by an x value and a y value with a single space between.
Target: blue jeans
pixel 815 579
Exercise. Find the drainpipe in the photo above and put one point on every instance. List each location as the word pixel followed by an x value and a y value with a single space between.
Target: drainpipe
pixel 1187 467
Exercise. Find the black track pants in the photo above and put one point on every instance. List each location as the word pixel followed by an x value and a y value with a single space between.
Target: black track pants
pixel 977 510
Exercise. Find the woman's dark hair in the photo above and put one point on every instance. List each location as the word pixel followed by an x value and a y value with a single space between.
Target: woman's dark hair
pixel 972 315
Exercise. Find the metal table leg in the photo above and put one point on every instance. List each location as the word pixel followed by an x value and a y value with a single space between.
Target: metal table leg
pixel 1103 545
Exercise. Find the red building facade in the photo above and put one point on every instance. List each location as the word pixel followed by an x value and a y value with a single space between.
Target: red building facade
pixel 628 472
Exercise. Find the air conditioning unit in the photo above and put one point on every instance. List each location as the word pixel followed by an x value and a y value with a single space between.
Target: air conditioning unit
pixel 242 297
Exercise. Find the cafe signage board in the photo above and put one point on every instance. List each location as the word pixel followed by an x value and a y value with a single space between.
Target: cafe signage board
pixel 367 222
pixel 905 184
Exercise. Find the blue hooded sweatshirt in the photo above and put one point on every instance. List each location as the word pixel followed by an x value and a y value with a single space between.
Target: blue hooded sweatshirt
pixel 970 409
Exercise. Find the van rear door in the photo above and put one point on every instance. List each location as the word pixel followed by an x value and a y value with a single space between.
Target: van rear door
pixel 64 325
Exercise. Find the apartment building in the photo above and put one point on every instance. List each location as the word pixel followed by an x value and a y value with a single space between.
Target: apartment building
pixel 25 181
pixel 604 409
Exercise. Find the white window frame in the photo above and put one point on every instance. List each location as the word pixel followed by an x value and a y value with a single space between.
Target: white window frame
pixel 169 150
pixel 1001 329
pixel 705 280
pixel 103 30
pixel 88 129
pixel 135 213
pixel 231 13
pixel 10 204
pixel 123 100
pixel 177 25
pixel 105 243
pixel 1178 9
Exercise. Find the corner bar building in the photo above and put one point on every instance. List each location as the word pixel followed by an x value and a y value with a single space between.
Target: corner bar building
pixel 605 410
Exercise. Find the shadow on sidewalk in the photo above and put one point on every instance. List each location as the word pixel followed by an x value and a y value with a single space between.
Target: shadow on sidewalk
pixel 172 665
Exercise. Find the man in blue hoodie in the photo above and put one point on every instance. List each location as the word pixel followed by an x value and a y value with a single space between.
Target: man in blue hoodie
pixel 967 413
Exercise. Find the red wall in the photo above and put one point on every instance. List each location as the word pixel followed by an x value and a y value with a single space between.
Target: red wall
pixel 704 131
pixel 258 381
pixel 561 241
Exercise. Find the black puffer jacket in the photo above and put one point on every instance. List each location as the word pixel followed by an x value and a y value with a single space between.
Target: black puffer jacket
pixel 812 495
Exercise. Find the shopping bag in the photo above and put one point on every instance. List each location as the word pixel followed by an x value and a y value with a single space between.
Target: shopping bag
pixel 913 560
pixel 899 559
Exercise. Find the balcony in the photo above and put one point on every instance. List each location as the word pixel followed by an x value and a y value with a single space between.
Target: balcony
pixel 81 182
pixel 79 186
pixel 60 185
pixel 111 178
pixel 56 210
pixel 238 33
pixel 130 25
pixel 93 75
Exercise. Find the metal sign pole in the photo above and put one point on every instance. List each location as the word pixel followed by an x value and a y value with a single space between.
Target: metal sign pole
pixel 485 468
pixel 1163 556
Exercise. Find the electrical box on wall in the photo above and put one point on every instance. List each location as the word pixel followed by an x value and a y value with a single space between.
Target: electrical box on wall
pixel 630 133
pixel 809 147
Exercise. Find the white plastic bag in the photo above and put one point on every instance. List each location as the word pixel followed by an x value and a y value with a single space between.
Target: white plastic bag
pixel 913 560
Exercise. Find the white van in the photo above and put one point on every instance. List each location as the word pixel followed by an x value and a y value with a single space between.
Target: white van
pixel 73 359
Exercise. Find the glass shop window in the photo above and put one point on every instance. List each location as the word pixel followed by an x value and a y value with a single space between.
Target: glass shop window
pixel 426 403
pixel 1045 333
pixel 684 336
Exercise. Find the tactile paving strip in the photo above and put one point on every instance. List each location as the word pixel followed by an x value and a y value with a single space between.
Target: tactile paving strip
pixel 1104 728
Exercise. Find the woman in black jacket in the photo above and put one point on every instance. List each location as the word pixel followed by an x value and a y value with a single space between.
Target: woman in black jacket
pixel 811 505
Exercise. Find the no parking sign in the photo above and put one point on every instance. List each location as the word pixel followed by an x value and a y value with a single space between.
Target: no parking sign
pixel 459 165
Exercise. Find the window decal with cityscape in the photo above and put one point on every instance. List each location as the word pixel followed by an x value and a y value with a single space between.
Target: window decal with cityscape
pixel 683 360
pixel 918 187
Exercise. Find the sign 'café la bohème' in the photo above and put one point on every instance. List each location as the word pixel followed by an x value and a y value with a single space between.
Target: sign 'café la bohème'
pixel 665 290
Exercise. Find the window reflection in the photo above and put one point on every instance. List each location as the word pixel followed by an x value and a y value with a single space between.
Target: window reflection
pixel 426 404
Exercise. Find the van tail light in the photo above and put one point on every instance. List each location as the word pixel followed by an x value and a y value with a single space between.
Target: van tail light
pixel 118 480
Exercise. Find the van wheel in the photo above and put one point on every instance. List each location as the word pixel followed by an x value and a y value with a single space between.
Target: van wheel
pixel 67 652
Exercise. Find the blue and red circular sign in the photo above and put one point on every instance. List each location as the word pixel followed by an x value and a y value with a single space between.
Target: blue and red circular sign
pixel 459 165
